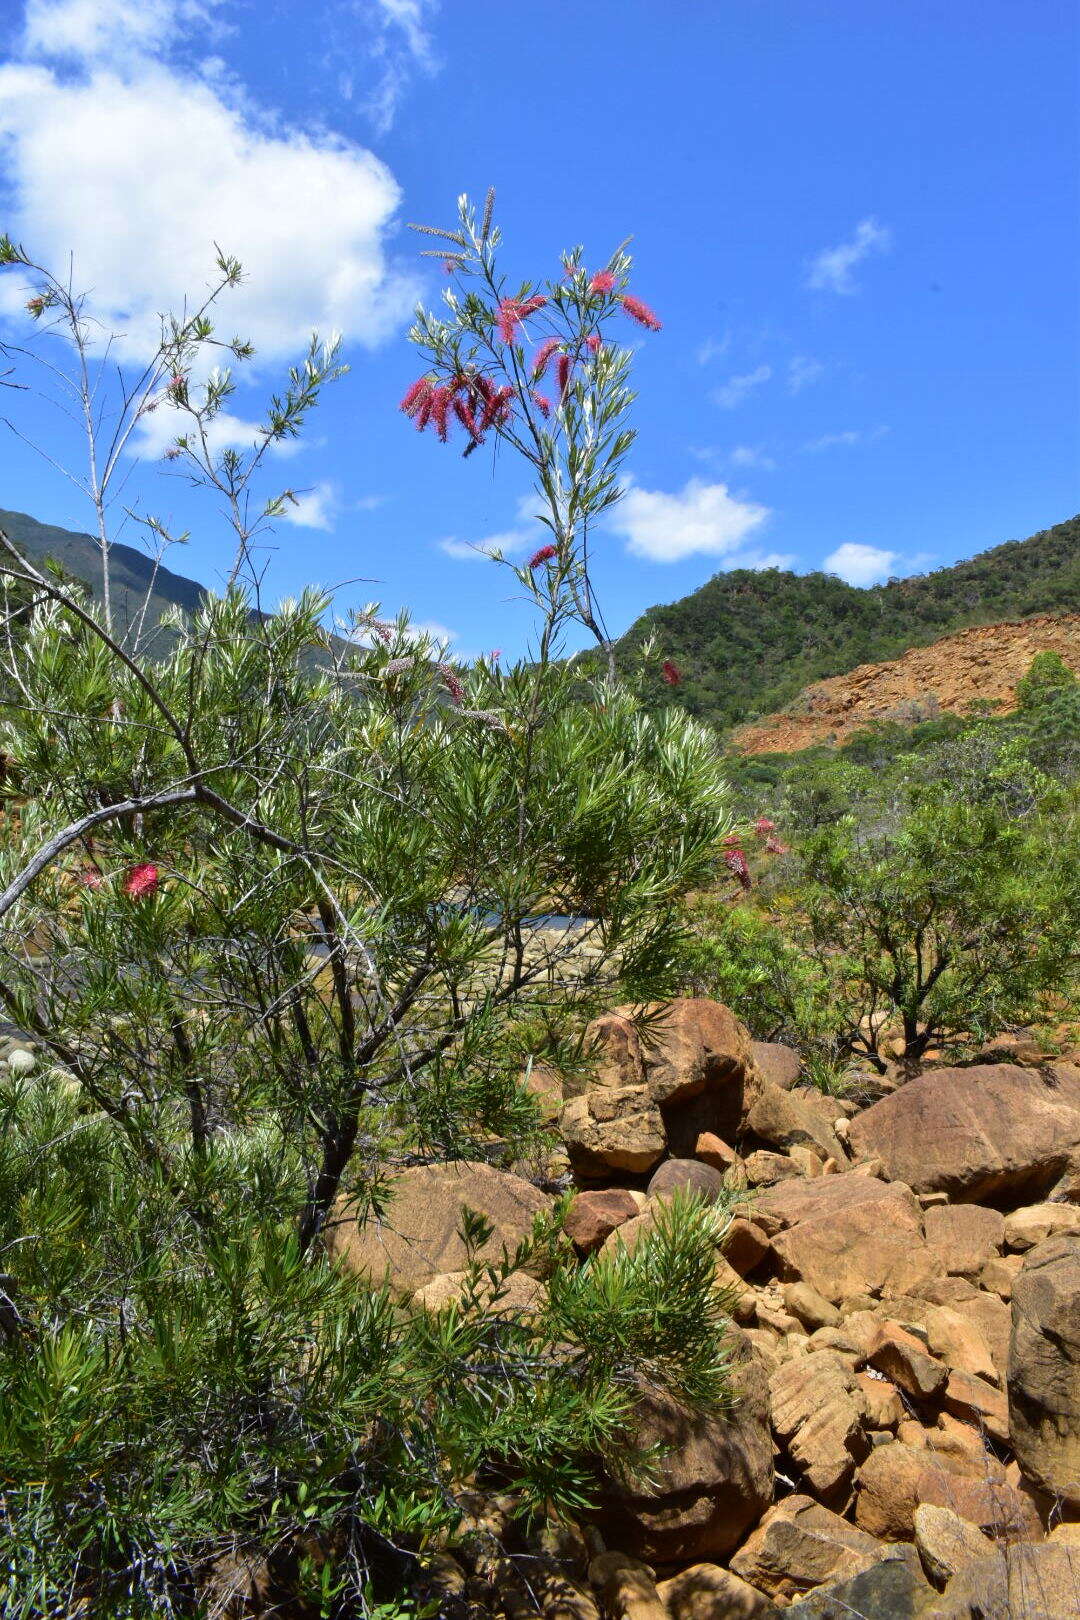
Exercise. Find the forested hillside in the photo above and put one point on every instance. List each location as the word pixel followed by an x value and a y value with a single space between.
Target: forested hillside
pixel 748 641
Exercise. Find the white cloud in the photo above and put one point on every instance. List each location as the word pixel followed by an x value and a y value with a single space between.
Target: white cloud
pixel 89 29
pixel 482 550
pixel 399 45
pixel 802 371
pixel 137 169
pixel 668 527
pixel 846 440
pixel 439 633
pixel 735 390
pixel 314 508
pixel 832 269
pixel 712 349
pixel 749 455
pixel 159 429
pixel 859 564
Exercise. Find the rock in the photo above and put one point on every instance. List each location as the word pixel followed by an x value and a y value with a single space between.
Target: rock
pixel 783 1120
pixel 997 1275
pixel 559 1595
pixel 979 1132
pixel 744 1245
pixel 1026 1227
pixel 958 1341
pixel 946 1543
pixel 903 1359
pixel 21 1062
pixel 764 1169
pixel 891 1589
pixel 780 1065
pixel 593 1216
pixel 697 1046
pixel 545 1085
pixel 627 1587
pixel 808 1161
pixel 977 1402
pixel 896 1478
pixel 993 1319
pixel 809 1307
pixel 966 1236
pixel 1044 1368
pixel 707 1592
pixel 816 1414
pixel 419 1238
pixel 608 1129
pixel 613 1045
pixel 742 1301
pixel 882 1406
pixel 715 1479
pixel 800 1544
pixel 686 1175
pixel 710 1149
pixel 519 1292
pixel 849 1234
pixel 1026 1582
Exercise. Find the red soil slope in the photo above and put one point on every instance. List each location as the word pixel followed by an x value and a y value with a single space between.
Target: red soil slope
pixel 983 664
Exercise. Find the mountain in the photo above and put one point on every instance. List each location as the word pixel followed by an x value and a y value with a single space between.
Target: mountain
pixel 132 572
pixel 748 641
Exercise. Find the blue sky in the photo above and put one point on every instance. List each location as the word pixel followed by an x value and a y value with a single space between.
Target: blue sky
pixel 857 219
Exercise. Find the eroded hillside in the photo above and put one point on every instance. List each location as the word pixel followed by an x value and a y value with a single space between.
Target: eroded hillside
pixel 983 665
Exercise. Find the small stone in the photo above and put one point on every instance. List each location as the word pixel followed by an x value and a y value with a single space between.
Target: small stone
pixel 593 1216
pixel 764 1169
pixel 21 1062
pixel 712 1149
pixel 881 1404
pixel 744 1245
pixel 686 1175
pixel 810 1307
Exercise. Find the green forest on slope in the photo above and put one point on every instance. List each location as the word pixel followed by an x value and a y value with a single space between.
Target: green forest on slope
pixel 748 641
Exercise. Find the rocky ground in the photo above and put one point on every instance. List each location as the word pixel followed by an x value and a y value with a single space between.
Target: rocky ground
pixel 982 665
pixel 906 1275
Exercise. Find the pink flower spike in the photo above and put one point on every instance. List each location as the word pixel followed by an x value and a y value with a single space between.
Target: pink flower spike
pixel 544 555
pixel 542 403
pixel 91 878
pixel 774 846
pixel 735 861
pixel 531 305
pixel 562 373
pixel 602 282
pixel 495 654
pixel 453 685
pixel 670 672
pixel 415 396
pixel 592 342
pixel 142 880
pixel 763 825
pixel 640 312
pixel 542 357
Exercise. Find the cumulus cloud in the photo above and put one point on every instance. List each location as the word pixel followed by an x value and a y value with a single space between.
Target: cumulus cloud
pixel 701 517
pixel 159 429
pixel 832 270
pixel 113 155
pixel 524 536
pixel 315 508
pixel 859 564
pixel 735 390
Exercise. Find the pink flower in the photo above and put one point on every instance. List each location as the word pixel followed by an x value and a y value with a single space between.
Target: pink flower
pixel 542 403
pixel 542 357
pixel 513 311
pixel 563 368
pixel 415 396
pixel 142 880
pixel 592 343
pixel 602 282
pixel 544 555
pixel 774 846
pixel 464 413
pixel 91 878
pixel 495 654
pixel 440 411
pixel 640 312
pixel 453 685
pixel 735 861
pixel 763 825
pixel 530 305
pixel 497 407
pixel 670 672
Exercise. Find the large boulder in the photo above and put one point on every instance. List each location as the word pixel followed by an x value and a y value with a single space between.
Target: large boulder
pixel 1044 1368
pixel 783 1119
pixel 707 1592
pixel 819 1417
pixel 420 1236
pixel 612 1130
pixel 1026 1582
pixel 966 1236
pixel 780 1064
pixel 593 1216
pixel 891 1589
pixel 715 1478
pixel 686 1176
pixel 848 1235
pixel 696 1046
pixel 896 1479
pixel 986 1132
pixel 799 1545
